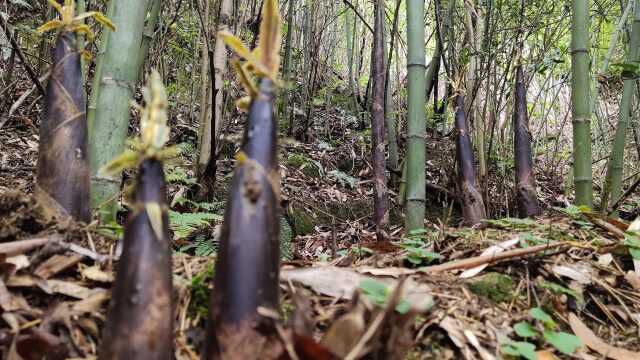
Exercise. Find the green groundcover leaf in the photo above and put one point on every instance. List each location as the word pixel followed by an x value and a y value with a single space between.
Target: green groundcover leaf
pixel 565 343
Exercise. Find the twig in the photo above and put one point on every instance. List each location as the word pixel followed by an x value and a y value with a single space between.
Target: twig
pixel 21 100
pixel 21 246
pixel 624 196
pixel 346 2
pixel 32 74
pixel 489 259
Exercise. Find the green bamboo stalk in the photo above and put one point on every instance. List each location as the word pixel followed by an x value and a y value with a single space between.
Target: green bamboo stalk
pixel 97 75
pixel 415 207
pixel 581 110
pixel 149 30
pixel 613 179
pixel 117 84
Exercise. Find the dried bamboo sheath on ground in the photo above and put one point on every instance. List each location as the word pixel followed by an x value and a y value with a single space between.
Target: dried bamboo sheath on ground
pixel 246 274
pixel 63 172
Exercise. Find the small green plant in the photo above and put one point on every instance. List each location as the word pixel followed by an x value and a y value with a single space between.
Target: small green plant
pixel 344 179
pixel 178 175
pixel 632 241
pixel 357 251
pixel 416 246
pixel 200 288
pixel 378 293
pixel 546 331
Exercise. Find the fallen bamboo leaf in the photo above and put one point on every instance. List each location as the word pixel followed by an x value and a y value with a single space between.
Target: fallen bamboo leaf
pixel 596 344
pixel 342 283
pixel 490 251
pixel 56 264
pixel 96 274
pixel 580 272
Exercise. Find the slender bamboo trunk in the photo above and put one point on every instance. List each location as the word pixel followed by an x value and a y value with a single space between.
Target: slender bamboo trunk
pixel 117 85
pixel 581 110
pixel 140 320
pixel 207 160
pixel 473 210
pixel 525 182
pixel 416 177
pixel 63 167
pixel 380 200
pixel 391 119
pixel 149 30
pixel 615 166
pixel 249 237
pixel 287 110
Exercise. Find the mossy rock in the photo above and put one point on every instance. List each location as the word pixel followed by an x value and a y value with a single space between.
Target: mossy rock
pixel 494 286
pixel 305 165
pixel 286 235
pixel 301 222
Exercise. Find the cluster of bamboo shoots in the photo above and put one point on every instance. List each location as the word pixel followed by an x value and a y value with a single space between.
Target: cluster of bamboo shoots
pixel 140 320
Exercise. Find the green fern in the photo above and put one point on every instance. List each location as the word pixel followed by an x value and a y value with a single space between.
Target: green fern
pixel 184 224
pixel 178 175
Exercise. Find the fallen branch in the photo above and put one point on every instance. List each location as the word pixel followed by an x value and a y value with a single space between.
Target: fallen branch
pixel 21 246
pixel 489 259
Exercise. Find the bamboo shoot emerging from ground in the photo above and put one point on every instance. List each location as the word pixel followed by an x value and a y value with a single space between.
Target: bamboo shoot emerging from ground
pixel 525 183
pixel 140 320
pixel 247 269
pixel 472 205
pixel 63 167
pixel 246 275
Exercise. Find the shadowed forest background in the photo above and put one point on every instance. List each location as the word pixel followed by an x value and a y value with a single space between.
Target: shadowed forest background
pixel 375 179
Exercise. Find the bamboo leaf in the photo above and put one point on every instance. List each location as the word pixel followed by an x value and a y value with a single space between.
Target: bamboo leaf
pixel 55 5
pixel 235 44
pixel 245 79
pixel 49 25
pixel 102 19
pixel 128 159
pixel 270 39
pixel 154 213
pixel 243 103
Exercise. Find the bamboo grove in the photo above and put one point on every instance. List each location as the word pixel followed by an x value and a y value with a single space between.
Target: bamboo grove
pixel 511 94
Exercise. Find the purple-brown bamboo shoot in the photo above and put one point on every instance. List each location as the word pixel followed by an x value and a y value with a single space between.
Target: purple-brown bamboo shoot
pixel 526 197
pixel 140 319
pixel 473 211
pixel 63 167
pixel 247 269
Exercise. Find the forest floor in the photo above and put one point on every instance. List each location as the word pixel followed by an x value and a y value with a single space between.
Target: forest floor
pixel 509 286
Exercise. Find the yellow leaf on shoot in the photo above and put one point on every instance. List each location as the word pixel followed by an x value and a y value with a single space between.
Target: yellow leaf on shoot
pixel 235 44
pixel 241 157
pixel 269 38
pixel 245 78
pixel 55 5
pixel 243 103
pixel 154 213
pixel 128 159
pixel 49 25
pixel 102 19
pixel 82 29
